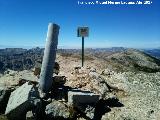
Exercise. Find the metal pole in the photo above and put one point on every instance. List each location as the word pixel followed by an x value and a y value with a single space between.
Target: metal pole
pixel 49 58
pixel 82 51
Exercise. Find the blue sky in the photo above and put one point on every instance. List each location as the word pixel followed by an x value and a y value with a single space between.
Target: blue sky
pixel 24 23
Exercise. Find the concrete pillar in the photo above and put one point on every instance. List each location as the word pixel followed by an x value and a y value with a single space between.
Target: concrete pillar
pixel 49 58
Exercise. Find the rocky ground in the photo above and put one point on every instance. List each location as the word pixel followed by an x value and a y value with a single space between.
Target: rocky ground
pixel 125 94
pixel 141 100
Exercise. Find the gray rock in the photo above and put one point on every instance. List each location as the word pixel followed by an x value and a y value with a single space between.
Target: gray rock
pixel 30 116
pixel 90 110
pixel 4 97
pixel 107 71
pixel 87 109
pixel 99 84
pixel 92 70
pixel 57 109
pixel 21 101
pixel 94 75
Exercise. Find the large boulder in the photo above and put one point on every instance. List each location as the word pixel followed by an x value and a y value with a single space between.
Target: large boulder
pixel 57 110
pixel 4 97
pixel 22 100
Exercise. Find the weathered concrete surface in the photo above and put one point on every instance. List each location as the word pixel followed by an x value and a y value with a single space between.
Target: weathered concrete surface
pixel 49 58
pixel 4 97
pixel 76 97
pixel 84 101
pixel 21 100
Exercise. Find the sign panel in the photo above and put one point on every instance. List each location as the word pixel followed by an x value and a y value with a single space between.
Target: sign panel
pixel 83 32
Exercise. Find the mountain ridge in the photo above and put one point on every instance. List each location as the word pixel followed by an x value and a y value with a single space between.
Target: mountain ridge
pixel 116 57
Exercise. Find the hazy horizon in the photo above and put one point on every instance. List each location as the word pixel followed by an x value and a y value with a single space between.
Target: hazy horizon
pixel 71 47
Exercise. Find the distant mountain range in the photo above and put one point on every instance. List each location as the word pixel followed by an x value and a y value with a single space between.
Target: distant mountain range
pixel 153 52
pixel 20 59
pixel 11 49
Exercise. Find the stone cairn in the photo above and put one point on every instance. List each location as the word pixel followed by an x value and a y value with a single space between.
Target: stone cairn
pixel 48 98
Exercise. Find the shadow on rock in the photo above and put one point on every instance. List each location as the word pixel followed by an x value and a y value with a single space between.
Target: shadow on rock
pixel 103 106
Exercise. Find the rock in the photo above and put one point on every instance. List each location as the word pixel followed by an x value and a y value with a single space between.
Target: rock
pixel 90 110
pixel 59 80
pixel 92 70
pixel 107 72
pixel 28 75
pixel 37 71
pixel 57 110
pixel 4 97
pixel 98 84
pixel 82 70
pixel 12 73
pixel 38 65
pixel 56 68
pixel 6 72
pixel 30 116
pixel 81 118
pixel 88 67
pixel 37 68
pixel 76 97
pixel 94 75
pixel 23 81
pixel 21 101
pixel 100 87
pixel 77 68
pixel 87 109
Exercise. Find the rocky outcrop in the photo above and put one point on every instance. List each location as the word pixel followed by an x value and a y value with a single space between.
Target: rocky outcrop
pixel 141 98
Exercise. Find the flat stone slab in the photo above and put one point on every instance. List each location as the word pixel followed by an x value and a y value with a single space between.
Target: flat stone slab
pixel 21 100
pixel 82 97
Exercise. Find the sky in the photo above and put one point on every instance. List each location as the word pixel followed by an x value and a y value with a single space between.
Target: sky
pixel 24 23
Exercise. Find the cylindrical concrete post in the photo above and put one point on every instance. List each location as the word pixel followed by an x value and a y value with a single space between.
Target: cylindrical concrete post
pixel 49 58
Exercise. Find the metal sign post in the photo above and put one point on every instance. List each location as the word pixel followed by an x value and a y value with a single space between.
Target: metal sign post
pixel 83 32
pixel 82 51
